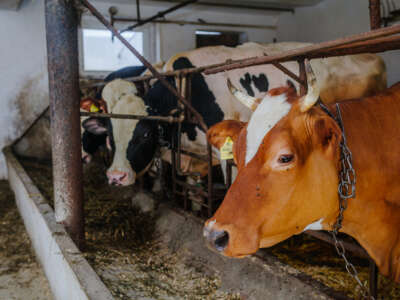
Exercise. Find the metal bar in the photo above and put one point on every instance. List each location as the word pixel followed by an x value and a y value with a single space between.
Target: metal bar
pixel 288 72
pixel 62 56
pixel 159 15
pixel 173 160
pixel 178 81
pixel 168 119
pixel 324 236
pixel 138 10
pixel 304 51
pixel 375 14
pixel 369 46
pixel 373 46
pixel 210 181
pixel 31 126
pixel 195 155
pixel 197 189
pixel 303 77
pixel 182 23
pixel 96 13
pixel 373 279
pixel 229 165
pixel 245 6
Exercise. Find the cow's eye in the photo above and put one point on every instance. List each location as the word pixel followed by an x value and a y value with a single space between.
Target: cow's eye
pixel 285 158
pixel 146 134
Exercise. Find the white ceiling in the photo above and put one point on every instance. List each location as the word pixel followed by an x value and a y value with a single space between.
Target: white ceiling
pixel 260 3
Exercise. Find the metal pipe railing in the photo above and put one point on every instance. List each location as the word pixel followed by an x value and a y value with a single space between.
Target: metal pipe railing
pixel 157 75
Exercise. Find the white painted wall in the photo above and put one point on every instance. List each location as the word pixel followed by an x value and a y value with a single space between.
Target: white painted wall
pixel 23 71
pixel 332 19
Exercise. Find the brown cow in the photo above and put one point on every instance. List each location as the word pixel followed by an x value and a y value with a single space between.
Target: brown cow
pixel 288 162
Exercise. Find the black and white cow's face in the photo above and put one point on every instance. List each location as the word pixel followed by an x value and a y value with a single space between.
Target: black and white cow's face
pixel 142 147
pixel 119 133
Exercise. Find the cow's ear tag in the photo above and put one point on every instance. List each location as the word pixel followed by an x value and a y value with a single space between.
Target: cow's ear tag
pixel 226 149
pixel 94 108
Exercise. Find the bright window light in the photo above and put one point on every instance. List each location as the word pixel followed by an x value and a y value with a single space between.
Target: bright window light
pixel 101 54
pixel 203 32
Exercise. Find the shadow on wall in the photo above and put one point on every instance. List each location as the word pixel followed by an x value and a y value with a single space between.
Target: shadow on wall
pixel 23 109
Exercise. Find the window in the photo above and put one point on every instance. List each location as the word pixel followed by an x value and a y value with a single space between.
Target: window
pixel 216 38
pixel 100 53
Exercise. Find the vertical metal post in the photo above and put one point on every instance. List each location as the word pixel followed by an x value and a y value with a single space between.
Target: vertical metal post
pixel 303 77
pixel 62 53
pixel 138 11
pixel 375 14
pixel 373 279
pixel 173 159
pixel 210 181
pixel 229 165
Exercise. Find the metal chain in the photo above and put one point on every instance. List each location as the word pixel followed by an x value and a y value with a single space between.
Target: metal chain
pixel 346 190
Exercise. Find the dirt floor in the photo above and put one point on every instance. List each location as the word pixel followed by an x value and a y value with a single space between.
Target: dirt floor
pixel 126 252
pixel 123 246
pixel 21 277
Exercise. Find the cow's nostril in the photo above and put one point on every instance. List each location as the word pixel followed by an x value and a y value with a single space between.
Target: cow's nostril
pixel 221 241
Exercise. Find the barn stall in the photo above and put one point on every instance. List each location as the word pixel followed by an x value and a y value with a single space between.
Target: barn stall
pixel 133 254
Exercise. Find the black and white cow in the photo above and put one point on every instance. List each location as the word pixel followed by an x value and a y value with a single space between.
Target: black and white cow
pixel 136 142
pixel 91 143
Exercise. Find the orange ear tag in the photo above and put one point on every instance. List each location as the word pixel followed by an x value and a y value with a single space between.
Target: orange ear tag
pixel 226 149
pixel 94 108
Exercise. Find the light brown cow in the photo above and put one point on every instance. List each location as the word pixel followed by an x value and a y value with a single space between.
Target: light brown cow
pixel 288 161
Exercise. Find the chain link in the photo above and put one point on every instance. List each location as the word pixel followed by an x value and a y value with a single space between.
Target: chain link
pixel 346 190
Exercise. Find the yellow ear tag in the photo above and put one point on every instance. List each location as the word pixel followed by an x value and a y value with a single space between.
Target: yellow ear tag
pixel 94 108
pixel 226 149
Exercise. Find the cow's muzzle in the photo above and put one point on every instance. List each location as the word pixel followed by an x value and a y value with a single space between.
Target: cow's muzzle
pixel 216 239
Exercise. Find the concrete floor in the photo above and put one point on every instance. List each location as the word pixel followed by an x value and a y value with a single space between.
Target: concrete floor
pixel 21 277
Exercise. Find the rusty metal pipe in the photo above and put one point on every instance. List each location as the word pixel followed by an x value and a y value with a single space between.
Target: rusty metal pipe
pixel 179 22
pixel 210 181
pixel 107 24
pixel 62 56
pixel 168 119
pixel 160 14
pixel 375 14
pixel 370 46
pixel 304 51
pixel 373 279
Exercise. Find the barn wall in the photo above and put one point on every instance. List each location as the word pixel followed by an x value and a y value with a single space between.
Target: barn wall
pixel 175 38
pixel 333 19
pixel 23 71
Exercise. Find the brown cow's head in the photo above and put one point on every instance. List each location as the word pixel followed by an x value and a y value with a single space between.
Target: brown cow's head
pixel 287 159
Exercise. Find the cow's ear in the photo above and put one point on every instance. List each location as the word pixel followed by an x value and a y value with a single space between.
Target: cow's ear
pixel 239 149
pixel 328 135
pixel 94 125
pixel 218 133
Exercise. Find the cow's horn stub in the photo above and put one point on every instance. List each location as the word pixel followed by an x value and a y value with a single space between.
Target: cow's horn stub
pixel 250 102
pixel 313 88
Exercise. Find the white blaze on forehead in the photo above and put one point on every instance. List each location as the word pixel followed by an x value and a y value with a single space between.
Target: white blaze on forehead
pixel 114 90
pixel 314 226
pixel 264 118
pixel 123 130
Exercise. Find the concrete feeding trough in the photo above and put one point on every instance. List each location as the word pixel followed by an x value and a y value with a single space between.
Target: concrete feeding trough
pixel 71 277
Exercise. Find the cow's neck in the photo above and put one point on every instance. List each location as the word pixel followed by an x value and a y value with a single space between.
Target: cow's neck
pixel 373 216
pixel 379 238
